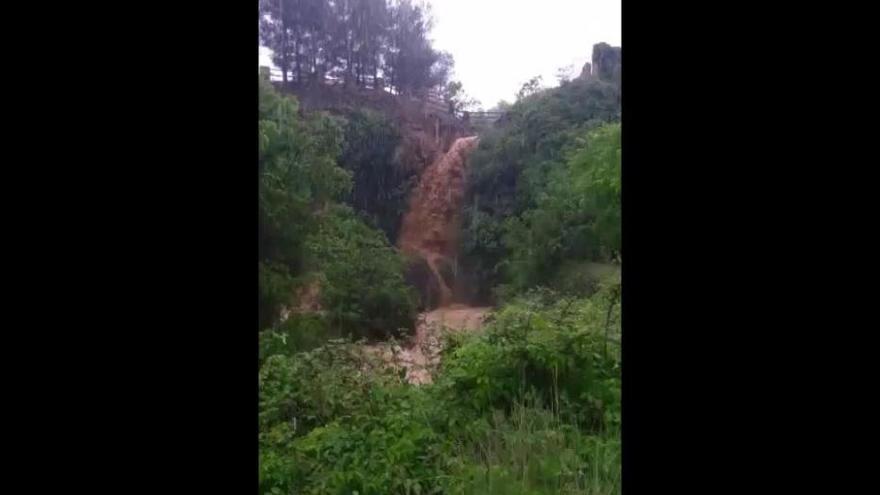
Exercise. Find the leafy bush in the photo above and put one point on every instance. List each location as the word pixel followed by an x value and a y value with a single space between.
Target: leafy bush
pixel 531 451
pixel 381 184
pixel 297 173
pixel 394 451
pixel 275 288
pixel 577 217
pixel 334 420
pixel 312 388
pixel 514 171
pixel 564 352
pixel 305 231
pixel 531 405
pixel 300 332
pixel 362 277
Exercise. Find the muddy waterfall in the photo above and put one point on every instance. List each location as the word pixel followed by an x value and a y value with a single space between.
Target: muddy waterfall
pixel 429 234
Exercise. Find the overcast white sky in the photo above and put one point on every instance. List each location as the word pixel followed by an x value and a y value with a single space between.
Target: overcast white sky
pixel 500 44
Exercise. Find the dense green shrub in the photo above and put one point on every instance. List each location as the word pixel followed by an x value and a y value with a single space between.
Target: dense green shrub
pixel 297 174
pixel 394 451
pixel 542 388
pixel 530 451
pixel 531 405
pixel 305 233
pixel 362 286
pixel 558 351
pixel 275 287
pixel 299 332
pixel 513 172
pixel 312 388
pixel 576 217
pixel 381 184
pixel 333 420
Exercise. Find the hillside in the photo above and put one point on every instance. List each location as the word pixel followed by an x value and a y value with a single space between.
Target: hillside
pixel 439 303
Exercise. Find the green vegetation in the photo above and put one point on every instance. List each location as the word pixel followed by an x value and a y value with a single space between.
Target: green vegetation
pixel 307 236
pixel 532 405
pixel 576 215
pixel 381 183
pixel 528 405
pixel 298 175
pixel 357 41
pixel 361 277
pixel 544 188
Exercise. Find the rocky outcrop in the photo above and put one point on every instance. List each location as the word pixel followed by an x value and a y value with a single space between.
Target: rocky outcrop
pixel 606 62
pixel 587 71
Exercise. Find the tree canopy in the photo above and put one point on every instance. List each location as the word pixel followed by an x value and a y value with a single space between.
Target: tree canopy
pixel 535 196
pixel 528 405
pixel 355 41
pixel 307 235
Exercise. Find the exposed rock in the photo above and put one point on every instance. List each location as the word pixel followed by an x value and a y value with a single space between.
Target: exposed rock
pixel 606 62
pixel 587 71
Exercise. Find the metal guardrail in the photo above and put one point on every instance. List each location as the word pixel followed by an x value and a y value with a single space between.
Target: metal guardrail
pixel 483 117
pixel 276 75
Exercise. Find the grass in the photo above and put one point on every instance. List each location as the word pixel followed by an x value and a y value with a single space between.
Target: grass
pixel 531 451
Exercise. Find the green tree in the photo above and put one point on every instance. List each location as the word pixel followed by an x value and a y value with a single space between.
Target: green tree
pixel 457 99
pixel 577 216
pixel 381 184
pixel 362 283
pixel 530 87
pixel 305 231
pixel 412 61
pixel 279 20
pixel 354 39
pixel 510 173
pixel 298 176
